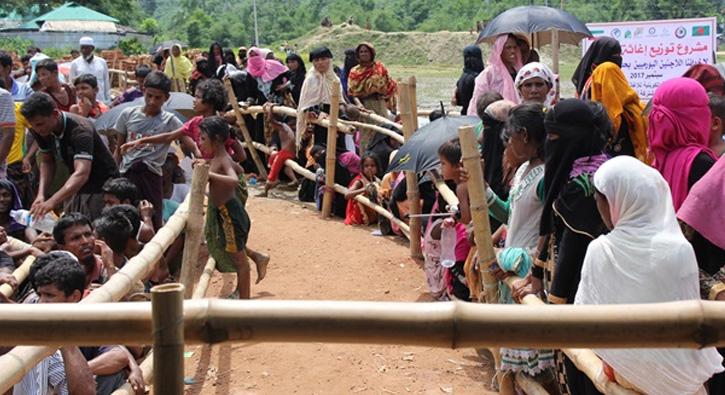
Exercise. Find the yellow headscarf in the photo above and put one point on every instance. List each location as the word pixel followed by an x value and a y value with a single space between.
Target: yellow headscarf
pixel 178 66
pixel 609 86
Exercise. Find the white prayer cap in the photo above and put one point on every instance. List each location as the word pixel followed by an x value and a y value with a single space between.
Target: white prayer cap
pixel 86 41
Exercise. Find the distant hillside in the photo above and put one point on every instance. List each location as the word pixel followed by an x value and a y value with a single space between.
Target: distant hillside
pixel 405 48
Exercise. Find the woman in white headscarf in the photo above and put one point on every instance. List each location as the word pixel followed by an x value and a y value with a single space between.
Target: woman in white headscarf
pixel 535 82
pixel 643 259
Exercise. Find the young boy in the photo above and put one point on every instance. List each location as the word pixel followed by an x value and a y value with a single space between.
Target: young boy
pixel 277 158
pixel 86 105
pixel 143 166
pixel 137 91
pixel 117 191
pixel 228 224
pixel 717 124
pixel 62 94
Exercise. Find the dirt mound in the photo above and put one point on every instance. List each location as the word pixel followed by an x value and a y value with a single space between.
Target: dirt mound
pixel 403 48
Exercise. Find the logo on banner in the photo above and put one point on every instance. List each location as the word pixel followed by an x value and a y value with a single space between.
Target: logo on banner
pixel 681 32
pixel 700 31
pixel 616 33
pixel 652 31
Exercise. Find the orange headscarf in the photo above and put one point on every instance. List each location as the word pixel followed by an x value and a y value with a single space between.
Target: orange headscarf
pixel 609 86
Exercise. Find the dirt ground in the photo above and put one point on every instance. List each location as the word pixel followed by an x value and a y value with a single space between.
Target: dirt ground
pixel 357 266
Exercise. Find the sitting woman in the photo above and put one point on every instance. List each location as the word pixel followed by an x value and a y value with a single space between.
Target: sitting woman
pixel 366 183
pixel 643 259
pixel 9 201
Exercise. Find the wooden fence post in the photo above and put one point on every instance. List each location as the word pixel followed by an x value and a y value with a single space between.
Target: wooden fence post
pixel 194 230
pixel 245 132
pixel 411 177
pixel 167 311
pixel 330 150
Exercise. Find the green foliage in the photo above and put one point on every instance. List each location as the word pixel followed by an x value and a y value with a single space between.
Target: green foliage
pixel 128 12
pixel 131 46
pixel 149 25
pixel 57 53
pixel 15 44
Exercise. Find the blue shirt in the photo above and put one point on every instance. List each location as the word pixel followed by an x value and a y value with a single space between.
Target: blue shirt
pixel 19 90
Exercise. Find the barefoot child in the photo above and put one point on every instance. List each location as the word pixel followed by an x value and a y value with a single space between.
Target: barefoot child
pixel 227 222
pixel 277 159
pixel 364 183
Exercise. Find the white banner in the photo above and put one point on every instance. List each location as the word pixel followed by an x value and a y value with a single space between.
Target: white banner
pixel 655 51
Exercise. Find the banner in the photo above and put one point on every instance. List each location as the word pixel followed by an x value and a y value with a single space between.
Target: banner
pixel 655 51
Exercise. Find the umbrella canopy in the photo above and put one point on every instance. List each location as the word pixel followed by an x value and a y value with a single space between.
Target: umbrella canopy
pixel 420 152
pixel 538 21
pixel 108 120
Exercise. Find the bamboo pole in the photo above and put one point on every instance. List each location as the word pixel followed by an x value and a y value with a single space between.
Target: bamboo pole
pixel 330 157
pixel 194 232
pixel 167 302
pixel 479 213
pixel 411 178
pixel 147 366
pixel 243 127
pixel 529 385
pixel 361 125
pixel 20 274
pixel 18 361
pixel 412 85
pixel 373 117
pixel 448 195
pixel 555 50
pixel 584 359
pixel 685 324
pixel 342 126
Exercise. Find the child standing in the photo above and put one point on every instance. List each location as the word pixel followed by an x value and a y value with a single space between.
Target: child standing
pixel 227 222
pixel 143 166
pixel 366 183
pixel 450 157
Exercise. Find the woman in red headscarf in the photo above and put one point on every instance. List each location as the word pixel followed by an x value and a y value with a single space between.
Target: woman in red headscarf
pixel 708 77
pixel 370 83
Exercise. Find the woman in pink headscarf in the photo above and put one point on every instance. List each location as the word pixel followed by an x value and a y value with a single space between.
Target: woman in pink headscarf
pixel 503 65
pixel 679 133
pixel 265 71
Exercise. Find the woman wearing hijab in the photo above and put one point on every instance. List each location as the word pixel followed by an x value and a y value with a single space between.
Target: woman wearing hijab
pixel 503 64
pixel 679 134
pixel 643 259
pixel 702 218
pixel 535 82
pixel 199 74
pixel 576 133
pixel 178 68
pixel 269 73
pixel 216 59
pixel 708 76
pixel 9 201
pixel 296 75
pixel 599 78
pixel 370 84
pixel 350 63
pixel 472 66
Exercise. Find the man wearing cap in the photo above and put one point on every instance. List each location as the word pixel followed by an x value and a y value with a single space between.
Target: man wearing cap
pixel 87 63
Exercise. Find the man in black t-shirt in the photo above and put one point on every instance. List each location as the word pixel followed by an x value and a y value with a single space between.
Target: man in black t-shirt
pixel 74 140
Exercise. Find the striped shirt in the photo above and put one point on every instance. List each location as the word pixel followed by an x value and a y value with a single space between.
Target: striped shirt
pixel 47 377
pixel 7 110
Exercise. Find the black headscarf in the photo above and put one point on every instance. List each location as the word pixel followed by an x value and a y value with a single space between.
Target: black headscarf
pixel 229 58
pixel 212 66
pixel 382 146
pixel 492 154
pixel 582 128
pixel 350 60
pixel 321 52
pixel 472 66
pixel 603 49
pixel 296 77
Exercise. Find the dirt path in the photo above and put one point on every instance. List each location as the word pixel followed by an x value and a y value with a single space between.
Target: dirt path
pixel 359 267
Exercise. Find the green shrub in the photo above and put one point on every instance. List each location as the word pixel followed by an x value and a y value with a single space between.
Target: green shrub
pixel 15 44
pixel 131 46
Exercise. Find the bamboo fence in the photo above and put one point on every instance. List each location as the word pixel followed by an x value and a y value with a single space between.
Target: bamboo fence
pixel 194 232
pixel 20 274
pixel 411 177
pixel 684 324
pixel 243 127
pixel 330 152
pixel 167 302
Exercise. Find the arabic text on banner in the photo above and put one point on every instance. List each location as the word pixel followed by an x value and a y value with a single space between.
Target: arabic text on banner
pixel 655 51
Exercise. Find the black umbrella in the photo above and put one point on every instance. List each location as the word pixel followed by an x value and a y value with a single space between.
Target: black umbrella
pixel 178 107
pixel 538 20
pixel 420 152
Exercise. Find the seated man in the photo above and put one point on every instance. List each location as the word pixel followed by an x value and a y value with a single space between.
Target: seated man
pixel 74 234
pixel 60 279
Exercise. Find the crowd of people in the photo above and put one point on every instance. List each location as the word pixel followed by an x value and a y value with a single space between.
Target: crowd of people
pixel 596 199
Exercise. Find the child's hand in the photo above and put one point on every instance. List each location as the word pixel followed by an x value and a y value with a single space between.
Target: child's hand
pixel 130 146
pixel 105 252
pixel 448 223
pixel 198 161
pixel 464 175
pixel 145 209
